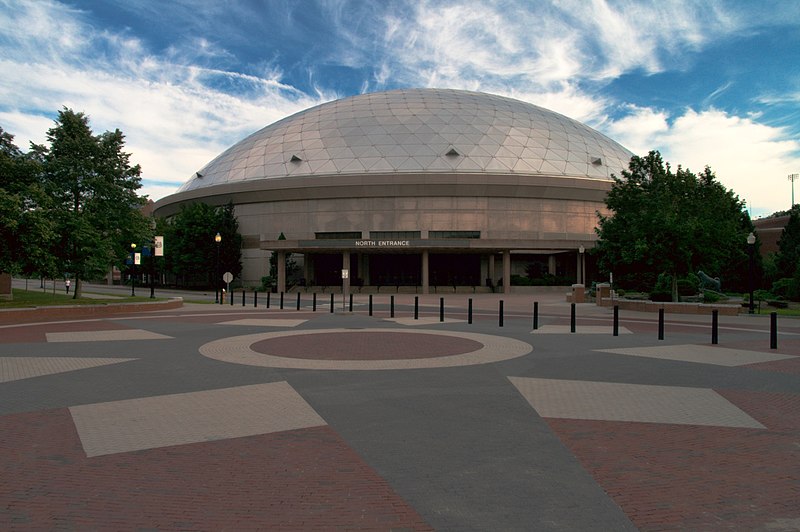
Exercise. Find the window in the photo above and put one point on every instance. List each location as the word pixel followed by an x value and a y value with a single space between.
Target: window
pixel 453 234
pixel 338 235
pixel 395 235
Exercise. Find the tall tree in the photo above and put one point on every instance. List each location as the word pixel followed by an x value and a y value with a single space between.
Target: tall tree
pixel 93 187
pixel 671 222
pixel 26 226
pixel 788 258
pixel 192 253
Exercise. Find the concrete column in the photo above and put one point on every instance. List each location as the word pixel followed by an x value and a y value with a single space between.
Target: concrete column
pixel 346 282
pixel 551 264
pixel 506 271
pixel 425 274
pixel 491 269
pixel 281 271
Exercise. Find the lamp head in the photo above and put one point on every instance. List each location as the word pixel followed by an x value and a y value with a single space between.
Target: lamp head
pixel 218 238
pixel 751 239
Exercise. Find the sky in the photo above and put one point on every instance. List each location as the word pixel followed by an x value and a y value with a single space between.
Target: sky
pixel 705 82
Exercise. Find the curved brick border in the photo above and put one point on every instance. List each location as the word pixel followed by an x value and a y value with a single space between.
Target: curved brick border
pixel 37 314
pixel 237 350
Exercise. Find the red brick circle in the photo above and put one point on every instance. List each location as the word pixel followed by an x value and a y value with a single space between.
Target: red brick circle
pixel 365 345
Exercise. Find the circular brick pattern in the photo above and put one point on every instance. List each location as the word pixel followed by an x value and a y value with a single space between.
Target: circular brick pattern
pixel 365 345
pixel 331 349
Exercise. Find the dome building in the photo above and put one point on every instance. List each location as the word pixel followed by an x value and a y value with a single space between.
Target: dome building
pixel 414 188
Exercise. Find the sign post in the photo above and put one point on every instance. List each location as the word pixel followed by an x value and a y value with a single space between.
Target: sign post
pixel 227 277
pixel 345 286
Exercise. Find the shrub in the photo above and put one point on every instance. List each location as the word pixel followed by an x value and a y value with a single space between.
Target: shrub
pixel 710 297
pixel 781 287
pixel 266 284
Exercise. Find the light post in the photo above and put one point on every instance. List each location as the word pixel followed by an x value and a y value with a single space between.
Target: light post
pixel 133 270
pixel 751 244
pixel 793 178
pixel 581 250
pixel 217 299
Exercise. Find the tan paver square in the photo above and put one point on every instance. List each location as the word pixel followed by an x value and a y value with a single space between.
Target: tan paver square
pixel 105 336
pixel 151 422
pixel 18 368
pixel 580 329
pixel 256 322
pixel 703 354
pixel 606 401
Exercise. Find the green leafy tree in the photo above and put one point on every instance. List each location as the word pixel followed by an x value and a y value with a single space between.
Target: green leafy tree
pixel 673 223
pixel 787 260
pixel 93 189
pixel 788 257
pixel 26 226
pixel 192 253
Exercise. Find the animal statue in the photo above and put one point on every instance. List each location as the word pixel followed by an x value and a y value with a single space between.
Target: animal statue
pixel 711 283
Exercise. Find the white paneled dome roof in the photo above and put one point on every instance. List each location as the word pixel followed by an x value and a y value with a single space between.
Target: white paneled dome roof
pixel 418 131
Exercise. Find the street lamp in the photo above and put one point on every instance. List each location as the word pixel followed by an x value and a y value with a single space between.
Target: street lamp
pixel 133 270
pixel 581 250
pixel 751 244
pixel 217 299
pixel 793 178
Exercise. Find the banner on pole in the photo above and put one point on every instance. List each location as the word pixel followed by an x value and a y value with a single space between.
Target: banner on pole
pixel 159 241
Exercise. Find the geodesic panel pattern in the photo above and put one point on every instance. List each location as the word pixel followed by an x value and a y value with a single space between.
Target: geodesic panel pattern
pixel 417 131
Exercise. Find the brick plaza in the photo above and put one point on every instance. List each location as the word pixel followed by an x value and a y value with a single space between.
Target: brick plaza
pixel 212 417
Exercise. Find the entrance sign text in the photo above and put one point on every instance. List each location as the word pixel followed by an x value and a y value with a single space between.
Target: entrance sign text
pixel 382 243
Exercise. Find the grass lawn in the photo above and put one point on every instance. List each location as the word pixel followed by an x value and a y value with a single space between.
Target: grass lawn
pixel 39 298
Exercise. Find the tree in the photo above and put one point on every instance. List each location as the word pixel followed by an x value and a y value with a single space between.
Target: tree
pixel 93 188
pixel 786 262
pixel 673 223
pixel 191 250
pixel 788 257
pixel 26 226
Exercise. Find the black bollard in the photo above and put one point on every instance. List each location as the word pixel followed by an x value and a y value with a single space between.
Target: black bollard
pixel 268 294
pixel 441 309
pixel 616 320
pixel 535 315
pixel 281 307
pixel 255 298
pixel 572 318
pixel 350 307
pixel 370 304
pixel 714 327
pixel 243 291
pixel 469 312
pixel 314 303
pixel 298 300
pixel 661 324
pixel 500 322
pixel 773 330
pixel 391 306
pixel 231 297
pixel 416 307
pixel 331 303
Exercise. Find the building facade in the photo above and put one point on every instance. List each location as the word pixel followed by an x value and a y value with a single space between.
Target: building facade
pixel 414 188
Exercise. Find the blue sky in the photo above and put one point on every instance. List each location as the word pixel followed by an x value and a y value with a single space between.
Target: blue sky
pixel 706 82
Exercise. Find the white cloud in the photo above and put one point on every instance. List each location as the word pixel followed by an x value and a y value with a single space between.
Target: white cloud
pixel 174 118
pixel 750 158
